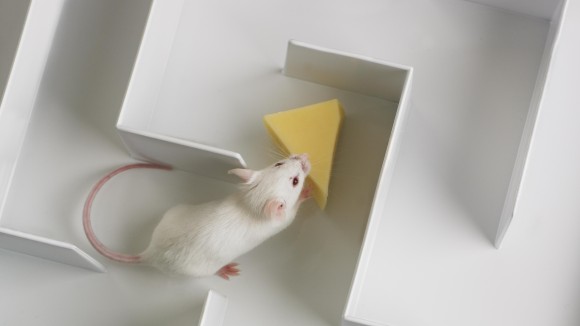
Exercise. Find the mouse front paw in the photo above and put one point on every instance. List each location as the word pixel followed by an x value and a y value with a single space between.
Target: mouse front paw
pixel 228 270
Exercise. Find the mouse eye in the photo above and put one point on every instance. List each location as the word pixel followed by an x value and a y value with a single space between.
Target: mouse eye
pixel 295 181
pixel 278 164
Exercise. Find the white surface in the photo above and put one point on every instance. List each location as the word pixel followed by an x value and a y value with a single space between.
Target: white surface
pixel 47 248
pixel 307 276
pixel 214 309
pixel 366 76
pixel 12 18
pixel 26 38
pixel 139 105
pixel 26 33
pixel 437 268
pixel 181 154
pixel 347 71
pixel 510 205
pixel 539 8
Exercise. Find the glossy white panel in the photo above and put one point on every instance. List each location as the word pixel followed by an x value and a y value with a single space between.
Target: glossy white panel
pixel 214 309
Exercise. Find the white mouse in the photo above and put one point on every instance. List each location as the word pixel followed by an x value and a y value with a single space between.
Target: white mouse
pixel 202 240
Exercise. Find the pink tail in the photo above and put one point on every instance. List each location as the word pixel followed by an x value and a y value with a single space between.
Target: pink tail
pixel 98 245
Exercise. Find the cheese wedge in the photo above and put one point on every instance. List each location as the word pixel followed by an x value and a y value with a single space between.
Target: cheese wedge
pixel 314 130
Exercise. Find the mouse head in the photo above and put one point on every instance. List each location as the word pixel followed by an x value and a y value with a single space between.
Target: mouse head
pixel 274 192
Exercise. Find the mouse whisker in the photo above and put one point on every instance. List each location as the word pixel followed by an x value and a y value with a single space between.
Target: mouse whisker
pixel 283 152
pixel 276 153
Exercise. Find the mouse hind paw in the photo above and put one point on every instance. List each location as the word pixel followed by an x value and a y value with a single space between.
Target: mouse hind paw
pixel 228 270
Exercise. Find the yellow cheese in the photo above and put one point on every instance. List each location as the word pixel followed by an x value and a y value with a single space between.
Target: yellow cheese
pixel 314 130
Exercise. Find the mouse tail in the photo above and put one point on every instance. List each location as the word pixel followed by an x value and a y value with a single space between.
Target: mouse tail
pixel 90 233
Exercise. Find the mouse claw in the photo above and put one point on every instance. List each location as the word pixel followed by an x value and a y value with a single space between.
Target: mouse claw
pixel 228 270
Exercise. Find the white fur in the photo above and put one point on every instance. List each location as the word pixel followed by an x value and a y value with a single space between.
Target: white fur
pixel 198 240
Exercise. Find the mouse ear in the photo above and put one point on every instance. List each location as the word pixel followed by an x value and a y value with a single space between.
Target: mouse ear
pixel 246 175
pixel 275 208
